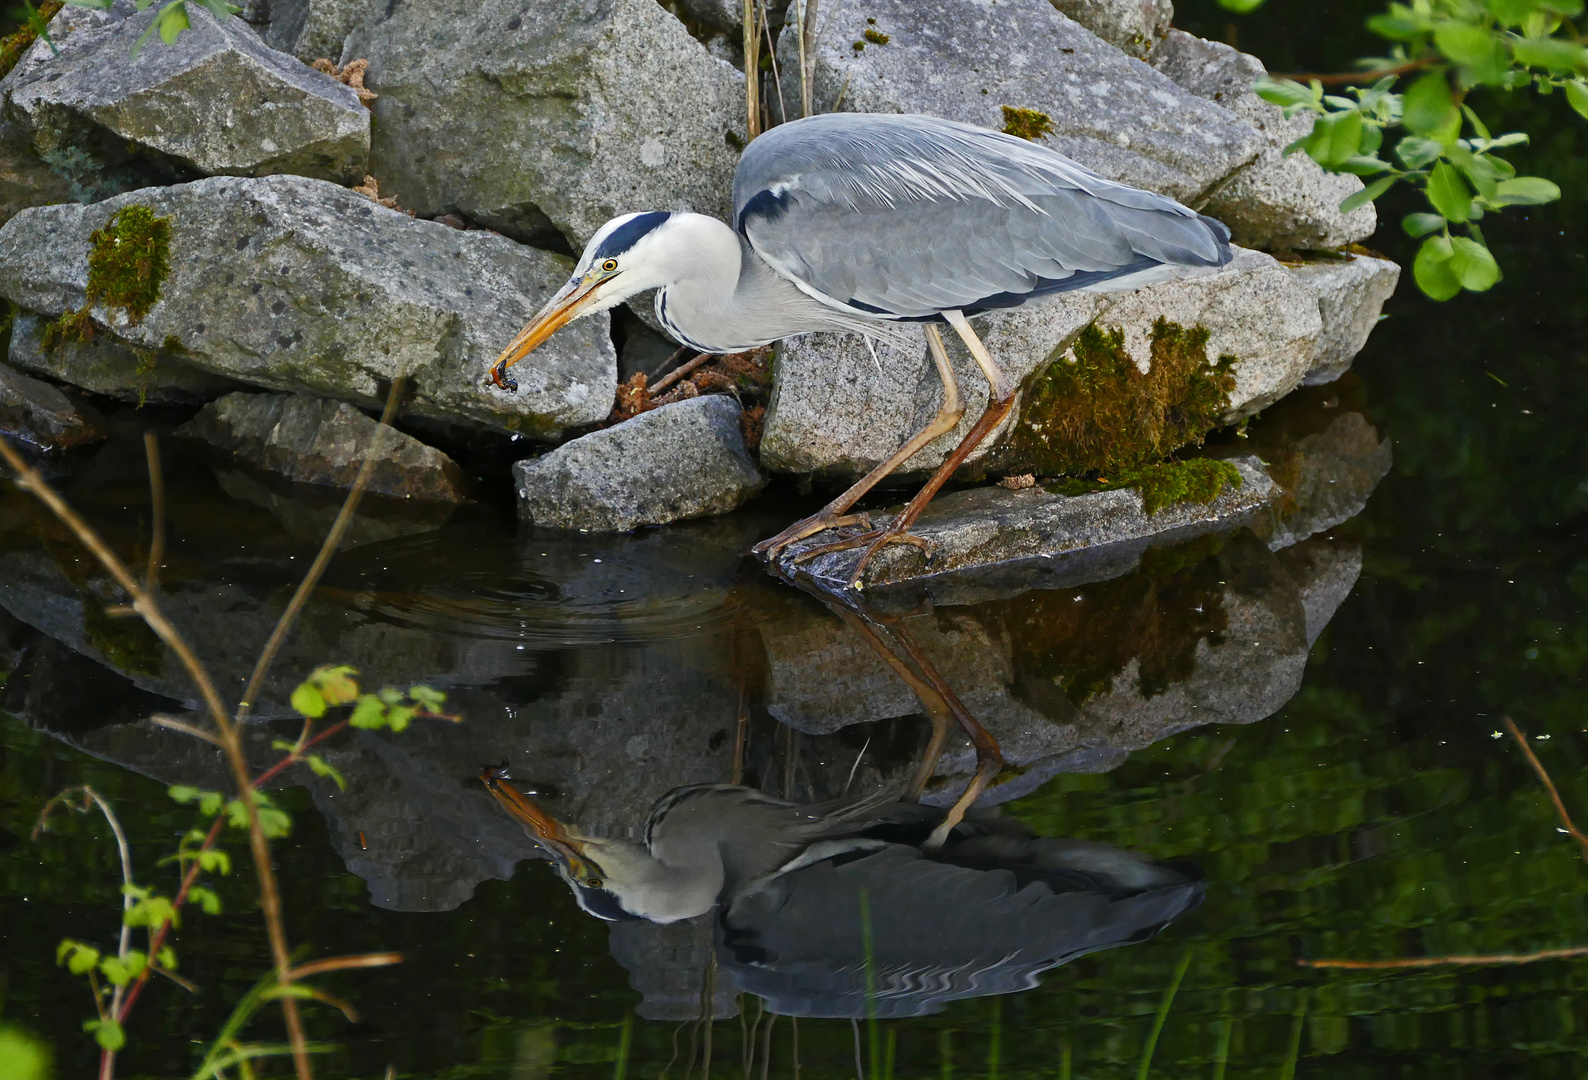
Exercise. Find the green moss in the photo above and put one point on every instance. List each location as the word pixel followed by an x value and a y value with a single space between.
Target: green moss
pixel 70 326
pixel 1100 414
pixel 128 261
pixel 14 44
pixel 1166 483
pixel 876 37
pixel 126 643
pixel 1026 123
pixel 173 345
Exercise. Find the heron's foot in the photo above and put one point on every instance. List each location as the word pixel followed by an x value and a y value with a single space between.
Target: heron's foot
pixel 817 522
pixel 874 540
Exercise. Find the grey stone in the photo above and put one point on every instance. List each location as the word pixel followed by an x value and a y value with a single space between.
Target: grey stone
pixel 1134 26
pixel 1276 203
pixel 1327 476
pixel 563 116
pixel 217 100
pixel 39 414
pixel 1325 571
pixel 963 60
pixel 1351 293
pixel 110 367
pixel 312 29
pixel 986 526
pixel 683 460
pixel 24 178
pixel 316 441
pixel 299 285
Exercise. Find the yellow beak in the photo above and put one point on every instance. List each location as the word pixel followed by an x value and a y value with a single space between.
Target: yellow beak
pixel 558 312
pixel 546 830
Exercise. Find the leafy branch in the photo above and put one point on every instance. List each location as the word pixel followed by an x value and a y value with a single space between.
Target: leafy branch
pixel 1447 49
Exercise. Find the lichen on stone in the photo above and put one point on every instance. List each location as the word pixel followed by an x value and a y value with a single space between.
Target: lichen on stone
pixel 1026 123
pixel 1100 414
pixel 1165 483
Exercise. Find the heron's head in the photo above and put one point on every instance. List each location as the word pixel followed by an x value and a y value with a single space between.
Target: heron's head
pixel 627 255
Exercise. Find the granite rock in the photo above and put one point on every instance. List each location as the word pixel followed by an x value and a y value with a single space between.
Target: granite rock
pixel 1276 203
pixel 551 121
pixel 110 367
pixel 309 29
pixel 302 286
pixel 964 60
pixel 684 460
pixel 1134 26
pixel 1351 293
pixel 216 101
pixel 316 441
pixel 38 414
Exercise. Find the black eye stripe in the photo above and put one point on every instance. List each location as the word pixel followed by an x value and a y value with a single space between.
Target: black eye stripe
pixel 628 234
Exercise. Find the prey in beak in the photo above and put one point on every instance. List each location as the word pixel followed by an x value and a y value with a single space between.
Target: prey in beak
pixel 571 300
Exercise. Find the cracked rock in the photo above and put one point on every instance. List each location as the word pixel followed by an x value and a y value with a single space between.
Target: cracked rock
pixel 37 413
pixel 110 367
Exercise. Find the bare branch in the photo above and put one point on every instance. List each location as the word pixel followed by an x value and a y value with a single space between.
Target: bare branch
pixel 1549 786
pixel 151 449
pixel 1447 961
pixel 345 963
pixel 1346 78
pixel 162 720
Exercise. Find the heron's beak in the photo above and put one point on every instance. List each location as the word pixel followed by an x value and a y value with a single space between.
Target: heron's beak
pixel 558 312
pixel 547 831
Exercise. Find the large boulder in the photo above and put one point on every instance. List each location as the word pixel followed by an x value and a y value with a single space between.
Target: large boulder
pixel 1134 26
pixel 299 285
pixel 966 60
pixel 39 414
pixel 1278 202
pixel 216 101
pixel 1351 293
pixel 684 460
pixel 111 367
pixel 316 441
pixel 551 119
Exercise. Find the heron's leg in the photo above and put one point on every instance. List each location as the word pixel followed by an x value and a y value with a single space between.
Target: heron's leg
pixel 834 513
pixel 1001 398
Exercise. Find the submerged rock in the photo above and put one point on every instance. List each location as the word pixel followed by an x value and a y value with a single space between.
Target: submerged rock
pixel 316 441
pixel 1351 293
pixel 216 101
pixel 110 367
pixel 684 460
pixel 37 413
pixel 1277 202
pixel 965 60
pixel 299 285
pixel 551 119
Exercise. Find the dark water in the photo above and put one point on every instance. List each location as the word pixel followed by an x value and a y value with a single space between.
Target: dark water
pixel 1316 728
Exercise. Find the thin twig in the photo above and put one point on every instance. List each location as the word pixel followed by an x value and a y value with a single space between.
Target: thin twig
pixel 1490 959
pixel 151 450
pixel 344 963
pixel 678 373
pixel 752 72
pixel 1549 786
pixel 777 80
pixel 674 357
pixel 1345 78
pixel 333 539
pixel 162 720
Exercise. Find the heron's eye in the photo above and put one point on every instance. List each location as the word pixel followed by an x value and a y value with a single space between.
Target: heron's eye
pixel 609 265
pixel 593 883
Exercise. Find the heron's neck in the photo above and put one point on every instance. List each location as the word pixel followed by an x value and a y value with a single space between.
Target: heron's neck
pixel 663 890
pixel 724 298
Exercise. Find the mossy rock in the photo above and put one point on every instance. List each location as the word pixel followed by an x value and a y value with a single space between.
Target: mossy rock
pixel 1166 483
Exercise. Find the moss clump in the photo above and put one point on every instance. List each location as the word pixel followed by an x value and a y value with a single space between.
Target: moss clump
pixel 1101 415
pixel 876 37
pixel 1167 483
pixel 71 326
pixel 128 260
pixel 1026 123
pixel 14 44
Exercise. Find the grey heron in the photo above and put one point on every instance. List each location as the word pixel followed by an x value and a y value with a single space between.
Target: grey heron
pixel 802 894
pixel 867 223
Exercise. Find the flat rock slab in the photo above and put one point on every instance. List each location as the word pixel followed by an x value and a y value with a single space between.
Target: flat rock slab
pixel 1351 293
pixel 317 441
pixel 990 526
pixel 302 286
pixel 112 368
pixel 217 100
pixel 559 115
pixel 964 60
pixel 684 460
pixel 40 415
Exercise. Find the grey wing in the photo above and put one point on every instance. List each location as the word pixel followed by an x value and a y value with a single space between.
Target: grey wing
pixel 906 216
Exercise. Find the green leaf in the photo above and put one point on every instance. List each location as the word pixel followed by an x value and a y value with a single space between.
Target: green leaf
pixel 1335 138
pixel 1432 270
pixel 430 700
pixel 80 959
pixel 322 767
pixel 1448 193
pixel 182 793
pixel 1577 96
pixel 107 1033
pixel 1363 165
pixel 1463 42
pixel 369 713
pixel 337 684
pixel 1479 171
pixel 1241 7
pixel 172 20
pixel 167 958
pixel 206 899
pixel 1525 191
pixel 1416 225
pixel 308 701
pixel 120 972
pixel 275 824
pixel 1473 264
pixel 1366 195
pixel 1512 12
pixel 1569 8
pixel 1429 109
pixel 22 1056
pixel 390 695
pixel 1282 92
pixel 1416 151
pixel 397 719
pixel 153 913
pixel 215 861
pixel 211 803
pixel 1395 28
pixel 1551 53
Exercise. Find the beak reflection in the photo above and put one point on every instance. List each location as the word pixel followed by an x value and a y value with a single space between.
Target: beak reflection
pixel 558 312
